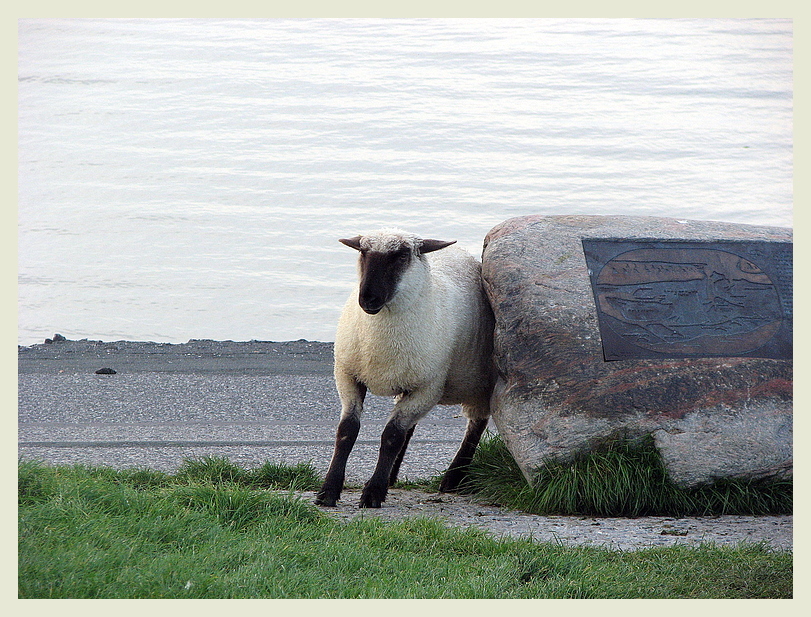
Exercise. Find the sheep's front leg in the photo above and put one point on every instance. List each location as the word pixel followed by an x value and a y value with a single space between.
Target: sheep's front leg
pixel 407 412
pixel 457 471
pixel 391 443
pixel 352 394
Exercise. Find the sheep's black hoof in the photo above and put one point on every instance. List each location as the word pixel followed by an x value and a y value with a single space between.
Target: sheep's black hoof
pixel 326 502
pixel 451 481
pixel 371 498
pixel 323 499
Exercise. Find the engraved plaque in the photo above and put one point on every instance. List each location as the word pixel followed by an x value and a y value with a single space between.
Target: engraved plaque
pixel 683 299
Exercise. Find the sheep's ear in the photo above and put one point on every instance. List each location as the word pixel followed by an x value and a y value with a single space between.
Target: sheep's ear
pixel 434 245
pixel 351 242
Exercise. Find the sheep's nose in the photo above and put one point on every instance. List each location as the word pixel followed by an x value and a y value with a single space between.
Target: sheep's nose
pixel 371 303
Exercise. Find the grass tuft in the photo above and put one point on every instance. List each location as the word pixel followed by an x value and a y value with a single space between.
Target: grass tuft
pixel 623 478
pixel 219 470
pixel 299 477
pixel 211 469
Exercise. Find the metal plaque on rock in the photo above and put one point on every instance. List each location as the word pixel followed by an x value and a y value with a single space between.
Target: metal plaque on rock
pixel 682 299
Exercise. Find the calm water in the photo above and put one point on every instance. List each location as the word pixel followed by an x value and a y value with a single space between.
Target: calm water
pixel 189 178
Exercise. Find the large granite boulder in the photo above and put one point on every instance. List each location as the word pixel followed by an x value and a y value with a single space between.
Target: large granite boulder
pixel 558 396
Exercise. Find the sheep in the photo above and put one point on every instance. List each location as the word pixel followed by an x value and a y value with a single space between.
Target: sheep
pixel 419 328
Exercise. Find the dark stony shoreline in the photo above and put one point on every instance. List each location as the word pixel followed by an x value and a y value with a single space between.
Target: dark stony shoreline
pixel 195 356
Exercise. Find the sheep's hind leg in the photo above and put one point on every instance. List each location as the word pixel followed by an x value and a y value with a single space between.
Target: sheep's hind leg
pixel 457 471
pixel 345 437
pixel 395 470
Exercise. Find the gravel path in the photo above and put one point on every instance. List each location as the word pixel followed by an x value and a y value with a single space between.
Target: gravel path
pixel 259 401
pixel 615 533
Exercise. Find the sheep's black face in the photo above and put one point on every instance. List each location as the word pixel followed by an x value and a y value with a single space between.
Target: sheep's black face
pixel 382 270
pixel 380 274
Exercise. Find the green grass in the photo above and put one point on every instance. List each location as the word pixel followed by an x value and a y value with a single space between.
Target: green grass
pixel 213 531
pixel 623 478
pixel 219 470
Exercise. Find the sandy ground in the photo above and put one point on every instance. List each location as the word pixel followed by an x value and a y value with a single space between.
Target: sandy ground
pixel 259 401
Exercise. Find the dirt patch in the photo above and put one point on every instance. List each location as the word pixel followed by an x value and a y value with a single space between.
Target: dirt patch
pixel 615 533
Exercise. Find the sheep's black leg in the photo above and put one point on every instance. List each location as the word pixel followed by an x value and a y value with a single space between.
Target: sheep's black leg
pixel 345 438
pixel 458 470
pixel 391 443
pixel 395 470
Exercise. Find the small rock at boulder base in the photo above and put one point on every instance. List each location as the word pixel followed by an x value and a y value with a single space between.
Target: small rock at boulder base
pixel 557 396
pixel 105 371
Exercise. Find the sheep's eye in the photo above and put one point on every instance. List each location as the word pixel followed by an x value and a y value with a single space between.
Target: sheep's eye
pixel 403 256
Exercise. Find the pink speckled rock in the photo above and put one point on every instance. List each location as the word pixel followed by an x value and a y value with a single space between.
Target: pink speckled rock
pixel 556 396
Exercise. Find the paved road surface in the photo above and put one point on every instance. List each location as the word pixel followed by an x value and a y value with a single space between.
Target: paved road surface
pixel 252 402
